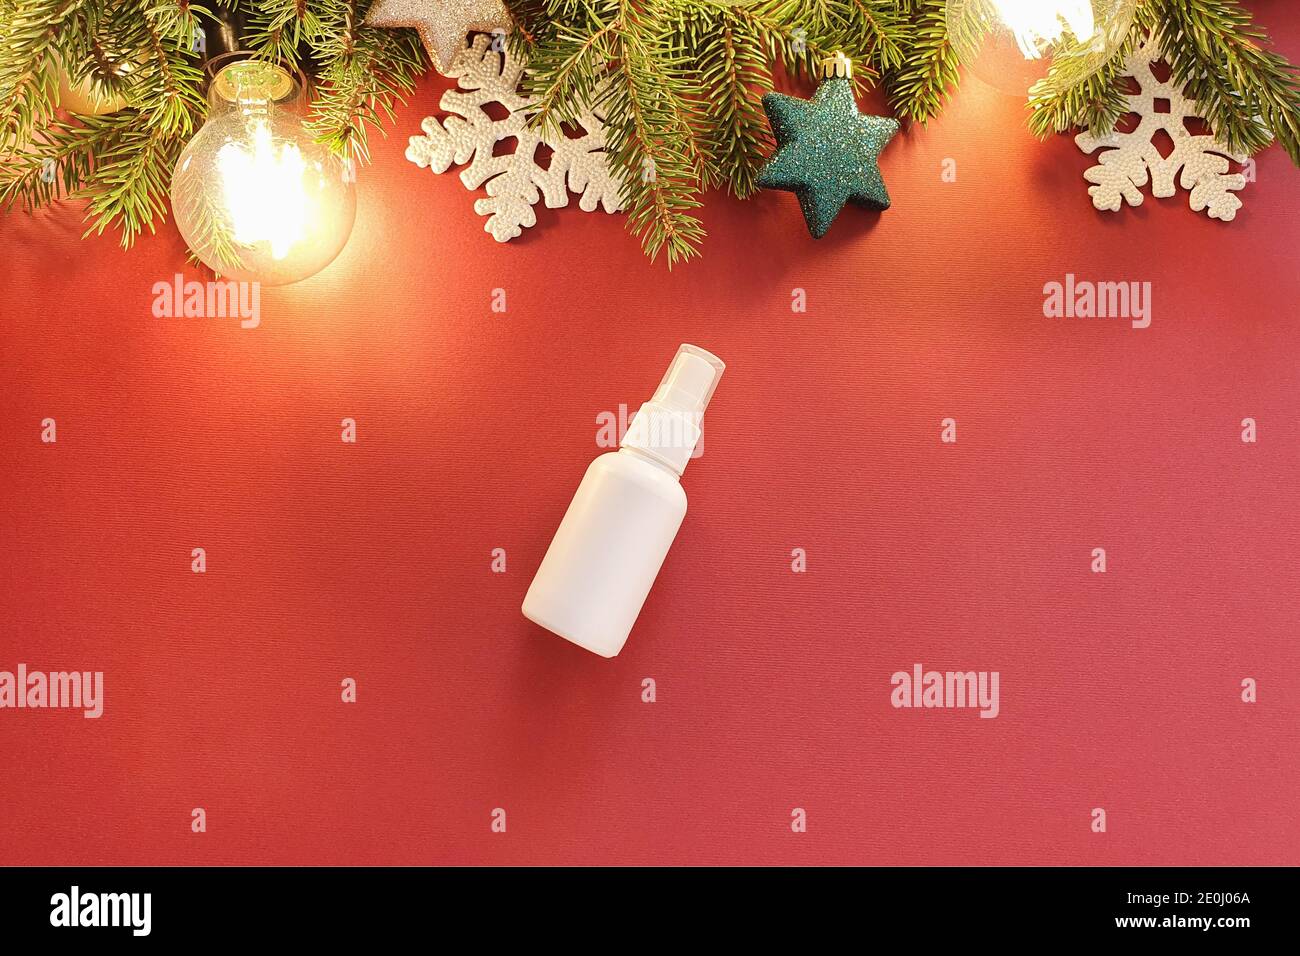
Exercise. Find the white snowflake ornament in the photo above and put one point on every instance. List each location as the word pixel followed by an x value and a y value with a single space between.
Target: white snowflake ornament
pixel 1129 159
pixel 487 73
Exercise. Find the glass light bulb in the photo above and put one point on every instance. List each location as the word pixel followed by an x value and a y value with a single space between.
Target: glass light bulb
pixel 255 197
pixel 1037 26
pixel 1011 44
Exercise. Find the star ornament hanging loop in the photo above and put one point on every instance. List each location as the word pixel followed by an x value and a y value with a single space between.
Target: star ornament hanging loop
pixel 827 150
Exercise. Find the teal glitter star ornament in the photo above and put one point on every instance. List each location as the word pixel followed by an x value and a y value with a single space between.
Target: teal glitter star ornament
pixel 827 151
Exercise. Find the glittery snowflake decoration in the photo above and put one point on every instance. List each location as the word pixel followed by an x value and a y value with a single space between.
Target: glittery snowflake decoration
pixel 487 73
pixel 1130 159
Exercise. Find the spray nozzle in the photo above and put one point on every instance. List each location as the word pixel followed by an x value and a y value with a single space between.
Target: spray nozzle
pixel 689 382
pixel 668 426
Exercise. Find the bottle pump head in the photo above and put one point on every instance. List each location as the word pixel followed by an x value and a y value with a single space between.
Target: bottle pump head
pixel 667 428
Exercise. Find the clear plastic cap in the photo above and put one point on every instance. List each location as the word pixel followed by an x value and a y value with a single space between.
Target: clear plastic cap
pixel 667 427
pixel 690 381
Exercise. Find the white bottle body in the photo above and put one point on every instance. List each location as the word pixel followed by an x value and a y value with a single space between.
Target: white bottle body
pixel 607 551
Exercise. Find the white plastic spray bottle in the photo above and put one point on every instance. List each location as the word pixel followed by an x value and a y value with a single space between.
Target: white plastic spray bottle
pixel 622 520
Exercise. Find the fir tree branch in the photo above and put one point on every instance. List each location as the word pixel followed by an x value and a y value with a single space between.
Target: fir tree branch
pixel 129 187
pixel 1077 93
pixel 919 87
pixel 55 164
pixel 885 28
pixel 651 140
pixel 734 74
pixel 29 69
pixel 566 82
pixel 121 163
pixel 1247 93
pixel 800 34
pixel 678 84
pixel 361 71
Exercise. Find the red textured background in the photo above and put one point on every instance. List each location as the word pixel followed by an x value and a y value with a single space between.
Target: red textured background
pixel 328 560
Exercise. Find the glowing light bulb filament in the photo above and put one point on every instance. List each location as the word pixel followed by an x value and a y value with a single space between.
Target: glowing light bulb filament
pixel 1037 24
pixel 264 192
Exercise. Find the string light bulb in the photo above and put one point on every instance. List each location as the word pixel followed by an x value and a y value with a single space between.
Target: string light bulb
pixel 1036 26
pixel 1012 44
pixel 255 197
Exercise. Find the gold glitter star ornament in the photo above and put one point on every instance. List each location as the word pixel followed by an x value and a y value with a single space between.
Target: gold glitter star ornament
pixel 443 24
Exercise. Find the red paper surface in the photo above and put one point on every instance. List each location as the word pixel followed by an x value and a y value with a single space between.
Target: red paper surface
pixel 372 560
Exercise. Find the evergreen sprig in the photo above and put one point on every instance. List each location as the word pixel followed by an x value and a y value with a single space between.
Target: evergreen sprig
pixel 928 71
pixel 1076 92
pixel 1248 93
pixel 121 162
pixel 678 83
pixel 360 71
